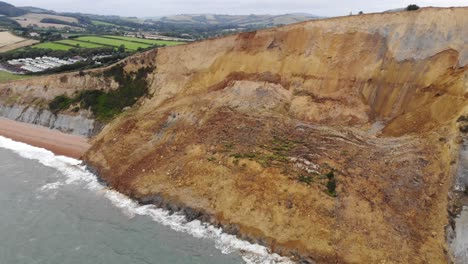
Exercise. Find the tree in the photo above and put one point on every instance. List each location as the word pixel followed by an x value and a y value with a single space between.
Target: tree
pixel 412 7
pixel 121 48
pixel 360 12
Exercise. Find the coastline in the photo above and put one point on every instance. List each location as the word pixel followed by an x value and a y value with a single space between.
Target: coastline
pixel 75 146
pixel 59 143
pixel 162 210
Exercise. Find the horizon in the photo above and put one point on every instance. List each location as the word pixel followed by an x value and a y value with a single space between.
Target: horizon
pixel 132 135
pixel 149 9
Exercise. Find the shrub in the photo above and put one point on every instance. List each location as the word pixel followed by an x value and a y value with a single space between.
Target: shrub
pixel 305 179
pixel 59 103
pixel 243 155
pixel 331 187
pixel 106 105
pixel 331 184
pixel 412 7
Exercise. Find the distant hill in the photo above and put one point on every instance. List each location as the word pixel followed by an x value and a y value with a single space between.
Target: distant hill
pixel 32 9
pixel 187 26
pixel 10 10
pixel 240 20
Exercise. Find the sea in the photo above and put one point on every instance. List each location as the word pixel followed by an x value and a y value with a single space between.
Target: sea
pixel 54 211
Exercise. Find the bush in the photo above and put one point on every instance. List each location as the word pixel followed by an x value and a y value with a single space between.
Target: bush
pixel 106 105
pixel 412 7
pixel 59 103
pixel 331 184
pixel 331 187
pixel 305 179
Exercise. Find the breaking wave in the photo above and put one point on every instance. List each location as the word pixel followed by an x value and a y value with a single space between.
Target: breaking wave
pixel 75 172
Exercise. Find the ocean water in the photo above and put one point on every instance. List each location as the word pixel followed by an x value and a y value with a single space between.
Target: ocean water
pixel 54 211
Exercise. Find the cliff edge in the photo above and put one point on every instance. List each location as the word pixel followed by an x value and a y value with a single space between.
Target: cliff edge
pixel 334 141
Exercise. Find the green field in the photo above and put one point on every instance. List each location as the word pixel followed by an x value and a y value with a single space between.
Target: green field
pixel 52 45
pixel 107 24
pixel 102 23
pixel 6 76
pixel 104 41
pixel 148 41
pixel 113 42
pixel 75 43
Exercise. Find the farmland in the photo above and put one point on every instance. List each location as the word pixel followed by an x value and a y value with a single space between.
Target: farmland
pixel 81 44
pixel 35 19
pixel 6 38
pixel 147 41
pixel 9 42
pixel 102 23
pixel 52 46
pixel 95 41
pixel 113 42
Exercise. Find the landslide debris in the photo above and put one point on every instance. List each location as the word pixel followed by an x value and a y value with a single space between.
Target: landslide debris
pixel 332 140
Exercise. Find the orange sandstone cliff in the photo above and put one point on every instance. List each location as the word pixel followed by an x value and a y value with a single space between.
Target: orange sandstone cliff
pixel 333 141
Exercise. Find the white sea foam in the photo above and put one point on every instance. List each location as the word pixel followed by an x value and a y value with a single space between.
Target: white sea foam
pixel 75 172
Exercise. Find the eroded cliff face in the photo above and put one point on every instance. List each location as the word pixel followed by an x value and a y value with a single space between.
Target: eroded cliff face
pixel 81 123
pixel 27 101
pixel 250 127
pixel 334 140
pixel 78 103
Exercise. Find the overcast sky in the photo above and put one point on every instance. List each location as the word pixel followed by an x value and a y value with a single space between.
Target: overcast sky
pixel 151 8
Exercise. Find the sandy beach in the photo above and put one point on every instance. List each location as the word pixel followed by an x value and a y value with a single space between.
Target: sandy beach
pixel 60 143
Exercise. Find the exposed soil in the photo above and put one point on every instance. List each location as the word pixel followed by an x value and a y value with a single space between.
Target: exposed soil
pixel 335 140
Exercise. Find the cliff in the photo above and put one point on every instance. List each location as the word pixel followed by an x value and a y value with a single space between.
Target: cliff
pixel 27 101
pixel 333 140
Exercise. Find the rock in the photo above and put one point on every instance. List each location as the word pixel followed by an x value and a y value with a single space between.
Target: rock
pixel 78 124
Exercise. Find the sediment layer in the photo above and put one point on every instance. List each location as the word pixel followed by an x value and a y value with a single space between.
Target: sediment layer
pixel 248 127
pixel 332 139
pixel 78 124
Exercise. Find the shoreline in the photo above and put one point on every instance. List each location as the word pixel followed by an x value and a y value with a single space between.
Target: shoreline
pixel 190 214
pixel 59 143
pixel 34 136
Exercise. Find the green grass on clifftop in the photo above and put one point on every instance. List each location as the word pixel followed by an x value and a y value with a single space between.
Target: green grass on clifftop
pixel 6 76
